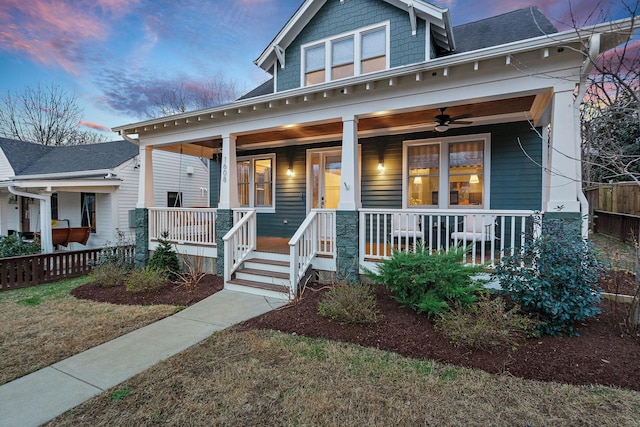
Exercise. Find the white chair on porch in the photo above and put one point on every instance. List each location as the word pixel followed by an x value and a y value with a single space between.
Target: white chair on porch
pixel 406 229
pixel 479 228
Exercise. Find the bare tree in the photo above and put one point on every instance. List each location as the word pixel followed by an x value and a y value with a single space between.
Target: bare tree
pixel 185 97
pixel 45 115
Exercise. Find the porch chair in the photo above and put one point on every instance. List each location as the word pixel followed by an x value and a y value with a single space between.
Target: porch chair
pixel 405 228
pixel 479 228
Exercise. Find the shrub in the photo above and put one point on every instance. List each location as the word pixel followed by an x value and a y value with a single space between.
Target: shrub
pixel 164 259
pixel 13 245
pixel 350 303
pixel 428 283
pixel 554 278
pixel 486 325
pixel 108 275
pixel 116 254
pixel 144 280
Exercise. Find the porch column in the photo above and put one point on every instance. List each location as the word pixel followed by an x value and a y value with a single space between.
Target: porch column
pixel 347 214
pixel 564 155
pixel 228 196
pixel 46 241
pixel 145 200
pixel 145 179
pixel 350 188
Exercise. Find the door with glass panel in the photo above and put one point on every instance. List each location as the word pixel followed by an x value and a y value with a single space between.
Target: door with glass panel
pixel 324 179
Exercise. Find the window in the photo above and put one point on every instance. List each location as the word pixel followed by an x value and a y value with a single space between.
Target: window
pixel 352 54
pixel 174 199
pixel 446 173
pixel 54 205
pixel 88 203
pixel 374 51
pixel 256 184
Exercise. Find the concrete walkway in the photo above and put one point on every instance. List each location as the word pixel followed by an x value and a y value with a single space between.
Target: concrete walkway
pixel 39 397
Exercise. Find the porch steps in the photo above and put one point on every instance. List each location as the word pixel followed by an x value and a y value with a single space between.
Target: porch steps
pixel 265 274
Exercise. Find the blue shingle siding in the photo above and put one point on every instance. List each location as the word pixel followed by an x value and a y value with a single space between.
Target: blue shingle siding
pixel 335 18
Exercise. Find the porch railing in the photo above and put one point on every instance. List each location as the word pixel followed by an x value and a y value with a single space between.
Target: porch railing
pixel 316 236
pixel 491 233
pixel 239 242
pixel 183 225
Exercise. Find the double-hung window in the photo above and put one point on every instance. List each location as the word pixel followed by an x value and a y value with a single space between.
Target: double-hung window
pixel 447 173
pixel 349 54
pixel 256 183
pixel 88 210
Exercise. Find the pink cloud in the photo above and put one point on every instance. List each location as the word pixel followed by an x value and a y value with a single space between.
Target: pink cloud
pixel 95 126
pixel 55 33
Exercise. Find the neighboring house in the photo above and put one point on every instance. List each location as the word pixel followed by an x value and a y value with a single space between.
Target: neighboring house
pixel 93 186
pixel 383 125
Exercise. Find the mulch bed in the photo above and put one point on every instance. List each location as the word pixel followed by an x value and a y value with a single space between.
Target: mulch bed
pixel 171 293
pixel 604 353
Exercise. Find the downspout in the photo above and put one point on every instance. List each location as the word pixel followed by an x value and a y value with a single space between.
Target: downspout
pixel 594 50
pixel 46 241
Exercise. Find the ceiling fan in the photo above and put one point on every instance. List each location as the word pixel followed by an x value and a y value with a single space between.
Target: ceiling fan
pixel 442 120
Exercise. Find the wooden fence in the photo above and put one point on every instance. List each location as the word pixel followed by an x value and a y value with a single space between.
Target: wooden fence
pixel 622 197
pixel 621 226
pixel 31 270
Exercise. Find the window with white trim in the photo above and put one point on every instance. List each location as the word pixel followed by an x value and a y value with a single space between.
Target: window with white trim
pixel 335 58
pixel 256 181
pixel 447 173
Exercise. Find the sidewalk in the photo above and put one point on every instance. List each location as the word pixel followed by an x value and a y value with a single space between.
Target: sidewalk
pixel 43 395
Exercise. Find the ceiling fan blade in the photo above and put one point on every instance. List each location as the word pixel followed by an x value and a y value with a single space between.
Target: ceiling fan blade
pixel 461 116
pixel 457 122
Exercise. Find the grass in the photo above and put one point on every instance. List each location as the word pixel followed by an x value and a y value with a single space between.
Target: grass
pixel 619 255
pixel 44 324
pixel 271 378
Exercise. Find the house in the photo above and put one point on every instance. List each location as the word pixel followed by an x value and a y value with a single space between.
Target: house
pixel 383 125
pixel 87 190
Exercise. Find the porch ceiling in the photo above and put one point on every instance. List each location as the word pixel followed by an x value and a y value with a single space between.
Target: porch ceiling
pixel 480 113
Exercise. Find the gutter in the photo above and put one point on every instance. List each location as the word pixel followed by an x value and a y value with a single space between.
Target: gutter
pixel 77 174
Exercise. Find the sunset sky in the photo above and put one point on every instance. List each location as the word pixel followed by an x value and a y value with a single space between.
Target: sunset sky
pixel 112 54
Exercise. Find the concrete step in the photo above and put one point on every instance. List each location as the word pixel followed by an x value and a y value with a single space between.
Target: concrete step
pixel 258 288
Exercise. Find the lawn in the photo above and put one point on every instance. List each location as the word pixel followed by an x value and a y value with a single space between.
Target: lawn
pixel 44 324
pixel 274 379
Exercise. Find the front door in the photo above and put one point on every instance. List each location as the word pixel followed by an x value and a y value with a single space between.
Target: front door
pixel 24 212
pixel 325 178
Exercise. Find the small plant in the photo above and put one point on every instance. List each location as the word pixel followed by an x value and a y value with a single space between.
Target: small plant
pixel 144 280
pixel 109 275
pixel 428 283
pixel 486 325
pixel 554 278
pixel 193 272
pixel 116 254
pixel 164 259
pixel 350 303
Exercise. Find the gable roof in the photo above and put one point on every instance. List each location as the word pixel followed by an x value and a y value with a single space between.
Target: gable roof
pixel 28 158
pixel 509 27
pixel 438 17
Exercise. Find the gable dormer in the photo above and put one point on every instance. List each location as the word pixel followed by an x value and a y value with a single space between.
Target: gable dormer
pixel 329 40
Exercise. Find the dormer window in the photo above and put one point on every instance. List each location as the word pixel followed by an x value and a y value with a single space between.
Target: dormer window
pixel 347 55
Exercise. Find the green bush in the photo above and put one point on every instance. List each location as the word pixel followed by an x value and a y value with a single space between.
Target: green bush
pixel 554 278
pixel 350 303
pixel 109 275
pixel 428 283
pixel 144 280
pixel 116 253
pixel 164 259
pixel 13 245
pixel 485 325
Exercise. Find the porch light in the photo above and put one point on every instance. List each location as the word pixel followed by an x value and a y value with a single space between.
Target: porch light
pixel 289 171
pixel 441 128
pixel 381 166
pixel 417 180
pixel 474 179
